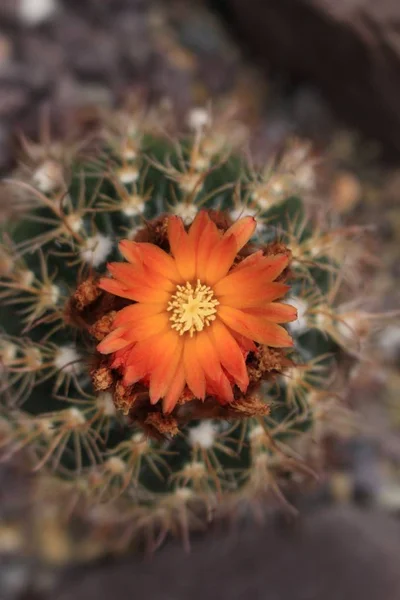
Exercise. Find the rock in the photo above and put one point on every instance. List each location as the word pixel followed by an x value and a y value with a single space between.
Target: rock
pixel 8 11
pixel 93 52
pixel 340 553
pixel 12 99
pixel 350 49
pixel 134 26
pixel 44 52
pixel 5 158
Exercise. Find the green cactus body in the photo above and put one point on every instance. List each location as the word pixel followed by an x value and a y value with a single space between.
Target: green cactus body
pixel 146 483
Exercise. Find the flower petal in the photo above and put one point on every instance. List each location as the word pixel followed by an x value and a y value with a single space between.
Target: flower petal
pixel 147 327
pixel 139 293
pixel 243 229
pixel 264 271
pixel 113 341
pixel 120 357
pixel 182 248
pixel 131 276
pixel 256 328
pixel 175 390
pixel 207 242
pixel 138 362
pixel 194 373
pixel 221 389
pixel 169 353
pixel 141 359
pixel 221 259
pixel 252 260
pixel 135 312
pixel 256 293
pixel 152 256
pixel 112 287
pixel 275 312
pixel 230 354
pixel 244 343
pixel 198 226
pixel 142 330
pixel 209 360
pixel 131 252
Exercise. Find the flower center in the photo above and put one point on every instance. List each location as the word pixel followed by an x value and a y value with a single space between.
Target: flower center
pixel 192 307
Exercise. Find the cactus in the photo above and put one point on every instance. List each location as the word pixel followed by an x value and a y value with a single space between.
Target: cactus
pixel 144 439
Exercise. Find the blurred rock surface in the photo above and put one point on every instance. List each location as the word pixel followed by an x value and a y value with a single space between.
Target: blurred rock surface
pixel 66 54
pixel 350 49
pixel 339 554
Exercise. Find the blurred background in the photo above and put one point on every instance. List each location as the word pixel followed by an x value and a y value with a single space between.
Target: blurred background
pixel 327 71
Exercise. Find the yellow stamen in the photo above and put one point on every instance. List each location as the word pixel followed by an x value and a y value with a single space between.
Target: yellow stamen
pixel 192 307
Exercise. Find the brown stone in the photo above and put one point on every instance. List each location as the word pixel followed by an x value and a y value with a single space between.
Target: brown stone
pixel 349 48
pixel 339 553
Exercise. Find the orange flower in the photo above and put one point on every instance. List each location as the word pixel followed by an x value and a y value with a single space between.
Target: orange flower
pixel 194 315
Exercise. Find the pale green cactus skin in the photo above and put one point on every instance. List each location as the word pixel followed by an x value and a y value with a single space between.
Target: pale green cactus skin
pixel 77 208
